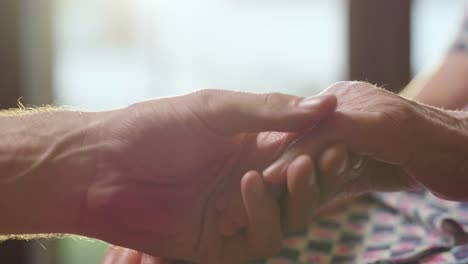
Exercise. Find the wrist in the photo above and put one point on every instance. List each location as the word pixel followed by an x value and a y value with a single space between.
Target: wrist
pixel 441 145
pixel 107 138
pixel 48 163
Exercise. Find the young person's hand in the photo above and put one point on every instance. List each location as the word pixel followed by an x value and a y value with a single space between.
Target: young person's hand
pixel 162 166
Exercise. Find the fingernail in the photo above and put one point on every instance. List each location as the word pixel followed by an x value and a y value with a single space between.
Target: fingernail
pixel 270 170
pixel 311 102
pixel 358 163
pixel 273 174
pixel 343 166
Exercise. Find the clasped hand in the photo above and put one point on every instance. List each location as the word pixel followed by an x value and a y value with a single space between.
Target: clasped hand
pixel 198 177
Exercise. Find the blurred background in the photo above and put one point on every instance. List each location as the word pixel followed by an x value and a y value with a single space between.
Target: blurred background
pixel 103 54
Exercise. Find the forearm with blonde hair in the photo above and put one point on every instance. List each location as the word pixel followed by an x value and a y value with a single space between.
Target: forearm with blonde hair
pixel 45 171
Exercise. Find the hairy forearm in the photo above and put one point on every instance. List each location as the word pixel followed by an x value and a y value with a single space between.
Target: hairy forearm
pixel 45 164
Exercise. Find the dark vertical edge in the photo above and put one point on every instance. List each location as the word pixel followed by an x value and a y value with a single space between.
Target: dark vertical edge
pixel 37 54
pixel 379 42
pixel 10 82
pixel 10 75
pixel 11 251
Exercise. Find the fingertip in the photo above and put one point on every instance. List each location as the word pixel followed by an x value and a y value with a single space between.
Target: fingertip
pixel 252 181
pixel 325 101
pixel 302 160
pixel 300 174
pixel 330 100
pixel 319 107
pixel 334 159
pixel 275 173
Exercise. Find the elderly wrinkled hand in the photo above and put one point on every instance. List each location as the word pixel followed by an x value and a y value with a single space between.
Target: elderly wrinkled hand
pixel 394 144
pixel 375 141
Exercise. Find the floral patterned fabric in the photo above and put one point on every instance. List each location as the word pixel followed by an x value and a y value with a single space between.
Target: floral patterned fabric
pixel 412 227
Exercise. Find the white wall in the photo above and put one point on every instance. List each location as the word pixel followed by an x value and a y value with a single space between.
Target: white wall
pixel 434 26
pixel 113 52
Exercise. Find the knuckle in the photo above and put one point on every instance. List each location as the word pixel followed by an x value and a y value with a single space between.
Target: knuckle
pixel 205 95
pixel 210 100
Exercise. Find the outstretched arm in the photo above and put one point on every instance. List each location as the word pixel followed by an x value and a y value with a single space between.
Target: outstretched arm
pixel 147 176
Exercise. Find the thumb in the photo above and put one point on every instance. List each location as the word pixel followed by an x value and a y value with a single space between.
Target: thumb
pixel 230 112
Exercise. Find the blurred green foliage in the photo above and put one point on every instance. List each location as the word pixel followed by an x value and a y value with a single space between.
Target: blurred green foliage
pixel 80 250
